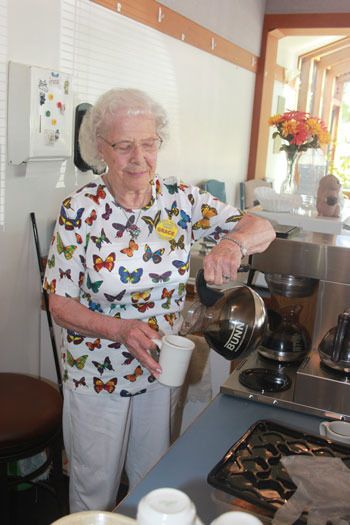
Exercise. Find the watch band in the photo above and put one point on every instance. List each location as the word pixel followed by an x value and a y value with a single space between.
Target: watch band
pixel 241 246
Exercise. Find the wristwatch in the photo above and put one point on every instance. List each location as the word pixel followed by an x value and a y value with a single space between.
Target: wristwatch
pixel 241 246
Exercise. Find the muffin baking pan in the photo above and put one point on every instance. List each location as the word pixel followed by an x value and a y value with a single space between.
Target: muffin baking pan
pixel 252 471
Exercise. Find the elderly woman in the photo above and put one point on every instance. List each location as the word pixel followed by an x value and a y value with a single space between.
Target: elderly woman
pixel 116 274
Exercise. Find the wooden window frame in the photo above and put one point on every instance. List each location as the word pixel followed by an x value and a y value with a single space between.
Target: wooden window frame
pixel 276 27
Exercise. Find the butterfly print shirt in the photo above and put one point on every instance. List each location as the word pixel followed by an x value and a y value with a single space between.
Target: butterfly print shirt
pixel 117 264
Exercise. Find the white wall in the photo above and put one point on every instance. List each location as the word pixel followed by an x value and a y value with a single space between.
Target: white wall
pixel 32 35
pixel 236 20
pixel 214 97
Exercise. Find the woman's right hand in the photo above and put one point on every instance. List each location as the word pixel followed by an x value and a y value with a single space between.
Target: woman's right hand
pixel 137 337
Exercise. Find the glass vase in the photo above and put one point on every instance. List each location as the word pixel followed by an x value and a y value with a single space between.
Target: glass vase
pixel 290 183
pixel 312 166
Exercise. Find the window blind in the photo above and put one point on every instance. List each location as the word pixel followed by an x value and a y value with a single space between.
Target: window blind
pixel 3 105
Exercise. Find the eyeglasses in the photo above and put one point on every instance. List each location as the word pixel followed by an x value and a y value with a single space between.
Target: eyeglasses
pixel 125 147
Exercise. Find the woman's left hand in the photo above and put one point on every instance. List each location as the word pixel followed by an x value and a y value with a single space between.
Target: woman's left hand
pixel 222 263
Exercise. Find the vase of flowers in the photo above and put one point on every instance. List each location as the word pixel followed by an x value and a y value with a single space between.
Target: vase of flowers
pixel 299 131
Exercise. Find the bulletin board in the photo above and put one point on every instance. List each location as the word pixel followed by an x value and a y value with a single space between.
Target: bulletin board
pixel 39 114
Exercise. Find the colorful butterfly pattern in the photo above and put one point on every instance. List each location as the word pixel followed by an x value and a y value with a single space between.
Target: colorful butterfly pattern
pixel 180 243
pixel 185 219
pixel 160 278
pixel 79 382
pixel 67 251
pixel 207 213
pixel 70 223
pixel 156 256
pixel 66 274
pixel 51 261
pixel 174 210
pixel 113 298
pixel 101 367
pixel 133 377
pixel 100 240
pixel 115 262
pixel 108 263
pixel 94 344
pixel 152 222
pixel 130 277
pixel 107 213
pixel 79 362
pixel 93 286
pixel 129 250
pixel 109 386
pixel 96 197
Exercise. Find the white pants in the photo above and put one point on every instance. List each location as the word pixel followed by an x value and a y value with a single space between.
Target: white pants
pixel 104 434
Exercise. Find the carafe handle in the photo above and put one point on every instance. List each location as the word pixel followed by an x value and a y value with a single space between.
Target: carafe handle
pixel 342 327
pixel 209 296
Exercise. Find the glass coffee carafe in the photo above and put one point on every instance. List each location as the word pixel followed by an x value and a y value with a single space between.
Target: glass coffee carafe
pixel 285 339
pixel 232 321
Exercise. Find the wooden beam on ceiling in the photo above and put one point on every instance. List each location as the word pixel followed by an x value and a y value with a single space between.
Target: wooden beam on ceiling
pixel 171 23
pixel 311 22
pixel 324 31
pixel 341 68
pixel 333 58
pixel 325 50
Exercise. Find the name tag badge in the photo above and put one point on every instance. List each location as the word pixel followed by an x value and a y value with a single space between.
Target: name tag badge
pixel 166 229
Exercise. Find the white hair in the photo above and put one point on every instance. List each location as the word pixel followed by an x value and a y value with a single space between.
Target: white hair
pixel 103 114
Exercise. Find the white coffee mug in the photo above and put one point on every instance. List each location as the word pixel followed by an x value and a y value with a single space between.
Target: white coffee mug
pixel 166 506
pixel 94 517
pixel 175 356
pixel 236 518
pixel 336 431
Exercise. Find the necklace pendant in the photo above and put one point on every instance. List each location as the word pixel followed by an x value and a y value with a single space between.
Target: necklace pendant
pixel 134 231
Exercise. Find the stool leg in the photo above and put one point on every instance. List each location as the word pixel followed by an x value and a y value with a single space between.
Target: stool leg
pixel 58 477
pixel 4 495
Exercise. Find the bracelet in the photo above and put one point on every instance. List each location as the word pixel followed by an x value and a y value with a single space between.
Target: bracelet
pixel 243 249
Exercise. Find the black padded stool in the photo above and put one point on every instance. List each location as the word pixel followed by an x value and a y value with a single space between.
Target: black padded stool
pixel 30 422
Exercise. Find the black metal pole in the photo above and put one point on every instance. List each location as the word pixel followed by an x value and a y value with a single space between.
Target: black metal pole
pixel 46 301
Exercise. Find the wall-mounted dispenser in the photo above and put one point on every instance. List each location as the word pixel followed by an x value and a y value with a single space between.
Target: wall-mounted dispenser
pixel 80 111
pixel 40 119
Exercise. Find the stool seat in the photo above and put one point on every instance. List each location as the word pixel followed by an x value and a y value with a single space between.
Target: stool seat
pixel 31 413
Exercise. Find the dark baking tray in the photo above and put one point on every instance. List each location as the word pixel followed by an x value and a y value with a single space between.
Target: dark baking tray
pixel 251 469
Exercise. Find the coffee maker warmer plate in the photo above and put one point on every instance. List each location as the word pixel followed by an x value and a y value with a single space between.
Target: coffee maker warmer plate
pixel 313 388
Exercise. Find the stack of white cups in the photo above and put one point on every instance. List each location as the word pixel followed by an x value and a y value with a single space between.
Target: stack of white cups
pixel 168 506
pixel 236 518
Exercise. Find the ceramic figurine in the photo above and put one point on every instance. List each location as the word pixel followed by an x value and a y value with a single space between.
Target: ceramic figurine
pixel 328 196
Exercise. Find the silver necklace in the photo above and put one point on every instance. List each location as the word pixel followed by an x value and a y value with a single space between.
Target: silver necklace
pixel 131 221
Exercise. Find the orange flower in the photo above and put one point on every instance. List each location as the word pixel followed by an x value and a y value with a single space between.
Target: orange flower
pixel 300 130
